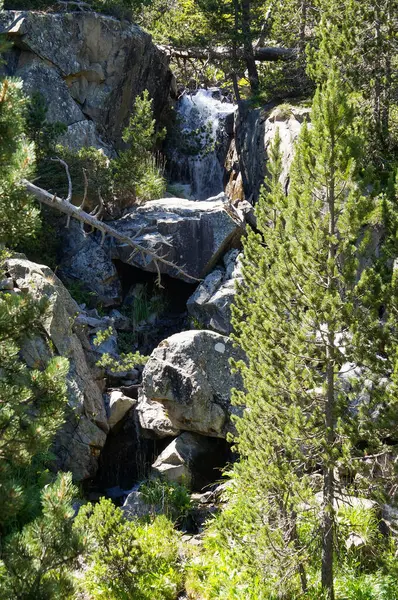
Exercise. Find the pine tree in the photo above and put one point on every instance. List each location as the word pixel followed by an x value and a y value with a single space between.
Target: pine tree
pixel 305 313
pixel 37 562
pixel 18 214
pixel 32 403
pixel 361 38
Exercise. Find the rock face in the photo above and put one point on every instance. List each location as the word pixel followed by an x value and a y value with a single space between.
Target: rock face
pixel 193 235
pixel 248 156
pixel 188 376
pixel 84 259
pixel 211 303
pixel 79 442
pixel 89 67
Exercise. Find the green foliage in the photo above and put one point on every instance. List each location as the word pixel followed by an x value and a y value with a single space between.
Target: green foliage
pixel 18 215
pixel 129 559
pixel 302 298
pixel 80 292
pixel 171 498
pixel 89 161
pixel 136 172
pixel 38 129
pixel 32 403
pixel 125 362
pixel 36 563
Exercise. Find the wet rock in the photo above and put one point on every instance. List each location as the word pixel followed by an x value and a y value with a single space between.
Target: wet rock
pixel 187 384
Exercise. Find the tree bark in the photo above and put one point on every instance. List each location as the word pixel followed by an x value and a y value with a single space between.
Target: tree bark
pixel 328 474
pixel 248 48
pixel 268 54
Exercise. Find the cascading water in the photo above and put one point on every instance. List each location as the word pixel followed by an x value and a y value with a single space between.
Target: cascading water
pixel 199 148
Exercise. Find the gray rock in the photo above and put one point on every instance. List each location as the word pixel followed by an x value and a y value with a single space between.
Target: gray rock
pixel 211 303
pixel 183 459
pixel 90 67
pixel 119 405
pixel 189 375
pixel 135 506
pixel 7 284
pixel 193 235
pixel 84 259
pixel 85 431
pixel 254 132
pixel 154 419
pixel 121 322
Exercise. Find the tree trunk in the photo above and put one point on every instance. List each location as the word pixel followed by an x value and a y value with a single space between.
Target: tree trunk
pixel 268 54
pixel 248 48
pixel 328 474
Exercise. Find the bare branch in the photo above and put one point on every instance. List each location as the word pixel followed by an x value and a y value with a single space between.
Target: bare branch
pixel 85 189
pixel 267 54
pixel 63 163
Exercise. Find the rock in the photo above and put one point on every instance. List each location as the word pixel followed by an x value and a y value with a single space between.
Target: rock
pixel 89 67
pixel 154 419
pixel 188 378
pixel 119 405
pixel 192 235
pixel 78 446
pixel 84 434
pixel 254 132
pixel 121 322
pixel 191 460
pixel 135 506
pixel 84 259
pixel 211 303
pixel 7 284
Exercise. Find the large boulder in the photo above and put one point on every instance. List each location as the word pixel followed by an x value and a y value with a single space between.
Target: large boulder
pixel 89 67
pixel 255 130
pixel 189 376
pixel 192 235
pixel 211 303
pixel 79 443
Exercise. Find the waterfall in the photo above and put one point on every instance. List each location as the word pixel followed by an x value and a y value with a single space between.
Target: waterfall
pixel 200 143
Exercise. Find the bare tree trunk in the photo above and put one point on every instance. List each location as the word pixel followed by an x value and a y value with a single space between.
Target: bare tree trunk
pixel 267 54
pixel 248 48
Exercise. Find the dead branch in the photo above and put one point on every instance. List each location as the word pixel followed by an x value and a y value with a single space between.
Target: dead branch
pixel 75 212
pixel 267 54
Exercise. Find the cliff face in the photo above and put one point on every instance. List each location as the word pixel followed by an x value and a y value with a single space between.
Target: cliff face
pixel 89 68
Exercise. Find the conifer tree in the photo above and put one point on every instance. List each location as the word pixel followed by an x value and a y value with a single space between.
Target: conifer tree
pixel 362 39
pixel 37 562
pixel 310 314
pixel 18 215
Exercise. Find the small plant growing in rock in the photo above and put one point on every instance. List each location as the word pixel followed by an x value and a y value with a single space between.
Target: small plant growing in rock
pixel 173 499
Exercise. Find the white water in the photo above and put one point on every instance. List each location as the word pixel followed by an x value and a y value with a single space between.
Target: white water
pixel 202 118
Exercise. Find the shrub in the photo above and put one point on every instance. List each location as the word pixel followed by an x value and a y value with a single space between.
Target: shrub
pixel 172 498
pixel 129 559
